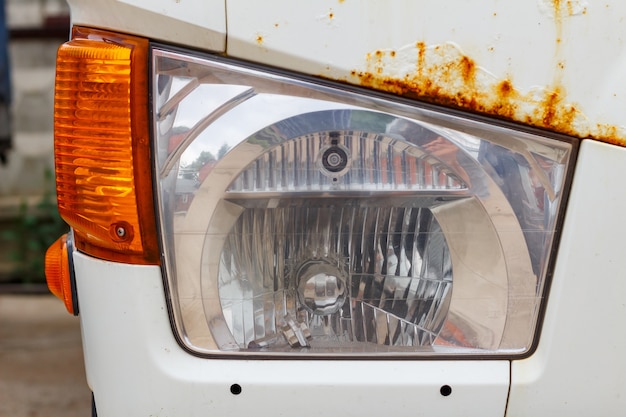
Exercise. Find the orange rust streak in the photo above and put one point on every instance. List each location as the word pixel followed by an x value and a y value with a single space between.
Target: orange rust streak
pixel 468 69
pixel 447 77
pixel 551 114
pixel 549 108
pixel 421 54
pixel 505 88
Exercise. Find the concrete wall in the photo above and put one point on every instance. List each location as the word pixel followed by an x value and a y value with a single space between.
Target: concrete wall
pixel 33 66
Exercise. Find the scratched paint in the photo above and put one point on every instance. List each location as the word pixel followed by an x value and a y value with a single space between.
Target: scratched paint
pixel 443 74
pixel 328 17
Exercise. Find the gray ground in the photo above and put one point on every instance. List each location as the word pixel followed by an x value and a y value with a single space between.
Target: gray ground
pixel 41 359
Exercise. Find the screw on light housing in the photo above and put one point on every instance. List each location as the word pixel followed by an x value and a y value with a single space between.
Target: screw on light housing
pixel 122 232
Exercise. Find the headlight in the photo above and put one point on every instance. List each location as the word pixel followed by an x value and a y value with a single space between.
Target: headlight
pixel 300 218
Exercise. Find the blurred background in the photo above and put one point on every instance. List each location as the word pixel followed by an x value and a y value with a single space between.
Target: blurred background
pixel 41 363
pixel 29 222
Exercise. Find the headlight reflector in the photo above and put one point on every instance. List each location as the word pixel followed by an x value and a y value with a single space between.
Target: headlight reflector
pixel 303 219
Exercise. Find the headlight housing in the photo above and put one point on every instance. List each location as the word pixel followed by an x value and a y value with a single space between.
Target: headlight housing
pixel 300 218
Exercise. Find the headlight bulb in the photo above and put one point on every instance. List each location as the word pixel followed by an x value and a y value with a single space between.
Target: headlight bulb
pixel 321 288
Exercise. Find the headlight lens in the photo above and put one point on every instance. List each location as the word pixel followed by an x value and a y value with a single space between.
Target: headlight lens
pixel 298 218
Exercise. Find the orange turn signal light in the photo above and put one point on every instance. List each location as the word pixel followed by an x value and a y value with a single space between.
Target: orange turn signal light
pixel 102 150
pixel 59 272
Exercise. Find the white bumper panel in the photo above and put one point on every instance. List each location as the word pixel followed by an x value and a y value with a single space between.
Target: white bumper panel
pixel 136 368
pixel 579 367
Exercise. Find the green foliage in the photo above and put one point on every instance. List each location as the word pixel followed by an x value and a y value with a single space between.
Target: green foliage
pixel 205 157
pixel 223 151
pixel 370 121
pixel 30 235
pixel 201 160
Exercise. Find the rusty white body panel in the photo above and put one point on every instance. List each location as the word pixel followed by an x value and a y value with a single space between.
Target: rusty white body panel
pixel 554 64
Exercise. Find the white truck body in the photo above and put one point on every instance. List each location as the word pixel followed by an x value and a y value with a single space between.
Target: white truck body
pixel 555 65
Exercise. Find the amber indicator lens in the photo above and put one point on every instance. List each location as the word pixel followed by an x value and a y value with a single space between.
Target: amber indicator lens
pixel 101 146
pixel 58 273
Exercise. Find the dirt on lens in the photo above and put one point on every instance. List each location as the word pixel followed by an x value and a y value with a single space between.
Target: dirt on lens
pixel 41 359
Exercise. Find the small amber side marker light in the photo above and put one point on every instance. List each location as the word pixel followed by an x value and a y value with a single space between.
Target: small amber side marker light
pixel 59 273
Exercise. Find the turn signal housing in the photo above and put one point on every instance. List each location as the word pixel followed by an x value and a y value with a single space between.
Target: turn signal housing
pixel 102 151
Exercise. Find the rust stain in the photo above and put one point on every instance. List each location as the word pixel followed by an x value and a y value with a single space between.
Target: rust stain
pixel 468 69
pixel 558 21
pixel 611 134
pixel 506 96
pixel 576 8
pixel 443 75
pixel 421 53
pixel 505 88
pixel 259 39
pixel 562 9
pixel 554 112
